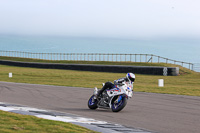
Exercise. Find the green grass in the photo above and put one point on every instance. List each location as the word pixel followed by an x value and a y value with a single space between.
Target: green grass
pixel 16 123
pixel 185 84
pixel 86 62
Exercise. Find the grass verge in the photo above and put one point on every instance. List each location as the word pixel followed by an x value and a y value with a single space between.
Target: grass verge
pixel 185 84
pixel 16 123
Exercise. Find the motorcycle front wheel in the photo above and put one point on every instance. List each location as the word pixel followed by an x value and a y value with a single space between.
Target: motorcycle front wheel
pixel 92 103
pixel 118 106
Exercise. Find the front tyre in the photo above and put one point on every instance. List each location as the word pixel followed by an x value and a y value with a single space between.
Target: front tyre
pixel 119 105
pixel 92 103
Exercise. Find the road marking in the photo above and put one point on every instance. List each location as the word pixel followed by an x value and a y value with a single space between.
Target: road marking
pixel 96 125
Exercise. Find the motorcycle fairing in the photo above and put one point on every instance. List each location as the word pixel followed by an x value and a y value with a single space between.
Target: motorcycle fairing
pixel 114 91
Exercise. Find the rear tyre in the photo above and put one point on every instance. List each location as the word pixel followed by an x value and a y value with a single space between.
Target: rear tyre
pixel 92 103
pixel 116 107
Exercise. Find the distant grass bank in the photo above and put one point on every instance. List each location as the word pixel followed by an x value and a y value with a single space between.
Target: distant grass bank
pixel 185 84
pixel 16 123
pixel 86 62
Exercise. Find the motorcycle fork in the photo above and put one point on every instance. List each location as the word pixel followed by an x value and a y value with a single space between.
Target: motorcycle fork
pixel 118 99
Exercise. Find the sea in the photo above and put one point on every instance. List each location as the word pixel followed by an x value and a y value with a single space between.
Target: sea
pixel 180 49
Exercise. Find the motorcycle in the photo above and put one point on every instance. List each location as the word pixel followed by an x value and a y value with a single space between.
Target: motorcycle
pixel 115 98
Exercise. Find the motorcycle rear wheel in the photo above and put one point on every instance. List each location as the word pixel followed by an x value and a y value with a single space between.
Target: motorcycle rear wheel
pixel 92 103
pixel 116 107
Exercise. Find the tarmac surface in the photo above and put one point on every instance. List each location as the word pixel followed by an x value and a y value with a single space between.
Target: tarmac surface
pixel 161 113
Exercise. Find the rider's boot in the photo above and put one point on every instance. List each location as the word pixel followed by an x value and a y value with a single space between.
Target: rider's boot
pixel 96 91
pixel 100 92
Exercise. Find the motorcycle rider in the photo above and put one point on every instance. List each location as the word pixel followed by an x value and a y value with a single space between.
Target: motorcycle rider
pixel 129 79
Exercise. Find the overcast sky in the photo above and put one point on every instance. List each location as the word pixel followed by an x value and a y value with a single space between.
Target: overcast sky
pixel 101 18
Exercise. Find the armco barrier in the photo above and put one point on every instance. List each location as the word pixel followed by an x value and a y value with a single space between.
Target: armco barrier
pixel 152 70
pixel 148 58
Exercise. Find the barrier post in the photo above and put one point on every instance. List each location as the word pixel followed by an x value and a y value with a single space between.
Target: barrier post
pixel 10 75
pixel 161 82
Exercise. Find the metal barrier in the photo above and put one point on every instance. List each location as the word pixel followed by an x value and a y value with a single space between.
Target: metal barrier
pixel 97 57
pixel 197 67
pixel 150 70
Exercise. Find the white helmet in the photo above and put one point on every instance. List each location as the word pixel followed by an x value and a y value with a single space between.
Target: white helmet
pixel 130 77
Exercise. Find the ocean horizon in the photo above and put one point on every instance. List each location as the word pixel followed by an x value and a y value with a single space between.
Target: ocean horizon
pixel 176 49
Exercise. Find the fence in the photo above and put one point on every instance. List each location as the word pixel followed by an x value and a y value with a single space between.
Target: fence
pixel 197 67
pixel 97 57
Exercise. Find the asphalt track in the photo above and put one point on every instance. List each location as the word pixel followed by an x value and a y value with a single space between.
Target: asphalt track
pixel 154 112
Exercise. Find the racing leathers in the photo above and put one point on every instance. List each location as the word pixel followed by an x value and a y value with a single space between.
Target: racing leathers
pixel 110 85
